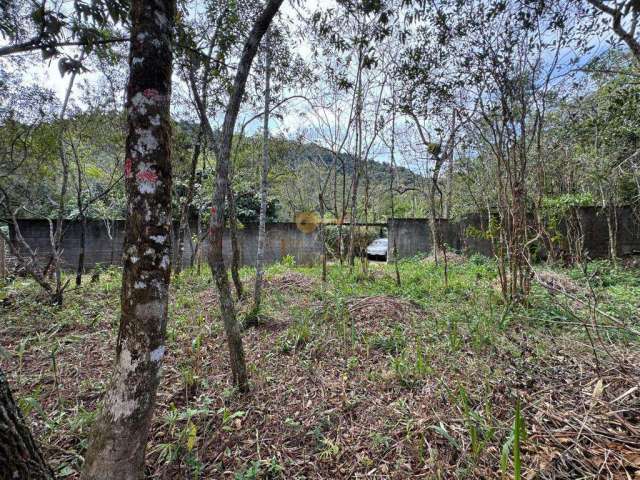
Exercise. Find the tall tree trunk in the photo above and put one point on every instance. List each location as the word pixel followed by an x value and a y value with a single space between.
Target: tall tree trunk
pixel 365 258
pixel 201 105
pixel 446 210
pixel 335 208
pixel 216 260
pixel 83 246
pixel 183 221
pixel 189 236
pixel 3 265
pixel 113 241
pixel 118 442
pixel 343 212
pixel 435 228
pixel 83 223
pixel 323 238
pixel 394 240
pixel 56 236
pixel 263 178
pixel 200 234
pixel 353 220
pixel 356 175
pixel 612 226
pixel 609 209
pixel 235 245
pixel 20 456
pixel 56 239
pixel 520 257
pixel 196 248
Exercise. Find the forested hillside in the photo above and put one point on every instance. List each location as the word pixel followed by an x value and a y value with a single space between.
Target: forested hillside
pixel 589 149
pixel 95 142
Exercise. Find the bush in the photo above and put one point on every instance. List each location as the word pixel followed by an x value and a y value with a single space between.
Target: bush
pixel 479 260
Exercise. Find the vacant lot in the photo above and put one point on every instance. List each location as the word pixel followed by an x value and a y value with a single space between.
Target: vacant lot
pixel 356 377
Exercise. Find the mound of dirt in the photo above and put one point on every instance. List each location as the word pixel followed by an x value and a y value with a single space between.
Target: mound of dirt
pixel 291 281
pixel 631 262
pixel 558 282
pixel 453 258
pixel 381 309
pixel 209 298
pixel 554 282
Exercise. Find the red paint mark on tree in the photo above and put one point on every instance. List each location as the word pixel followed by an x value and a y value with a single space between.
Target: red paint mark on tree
pixel 152 94
pixel 147 176
pixel 127 168
pixel 213 210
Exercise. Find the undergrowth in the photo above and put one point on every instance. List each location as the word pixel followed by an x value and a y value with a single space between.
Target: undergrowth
pixel 354 375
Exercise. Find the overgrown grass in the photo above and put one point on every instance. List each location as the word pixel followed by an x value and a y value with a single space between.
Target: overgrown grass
pixel 428 376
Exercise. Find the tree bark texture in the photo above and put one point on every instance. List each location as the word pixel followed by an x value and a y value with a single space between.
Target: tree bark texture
pixel 235 245
pixel 353 221
pixel 118 442
pixel 216 261
pixel 183 221
pixel 257 291
pixel 83 246
pixel 20 456
pixel 56 238
pixel 394 240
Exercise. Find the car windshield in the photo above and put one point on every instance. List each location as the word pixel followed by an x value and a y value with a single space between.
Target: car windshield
pixel 380 241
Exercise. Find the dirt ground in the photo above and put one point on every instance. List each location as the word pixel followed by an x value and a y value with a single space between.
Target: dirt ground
pixel 348 380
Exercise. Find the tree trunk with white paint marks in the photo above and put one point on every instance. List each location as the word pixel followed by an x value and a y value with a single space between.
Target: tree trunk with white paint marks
pixel 20 455
pixel 118 442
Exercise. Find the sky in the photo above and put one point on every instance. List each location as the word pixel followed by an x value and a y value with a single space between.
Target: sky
pixel 47 75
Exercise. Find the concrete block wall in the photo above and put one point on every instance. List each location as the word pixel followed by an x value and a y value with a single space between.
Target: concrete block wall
pixel 413 237
pixel 99 247
pixel 469 243
pixel 628 231
pixel 596 232
pixel 282 239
